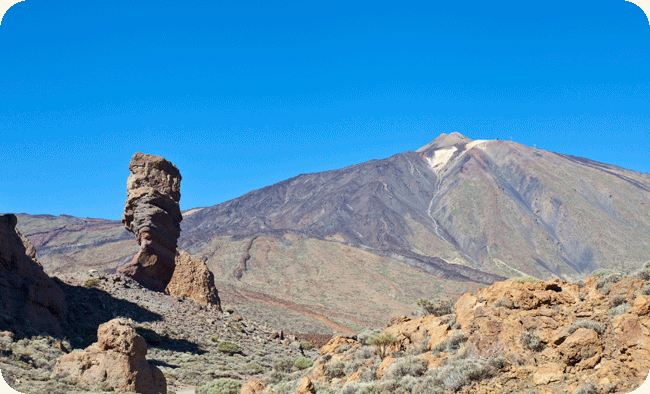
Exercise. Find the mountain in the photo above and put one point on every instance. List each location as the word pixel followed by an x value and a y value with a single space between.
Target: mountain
pixel 457 209
pixel 344 248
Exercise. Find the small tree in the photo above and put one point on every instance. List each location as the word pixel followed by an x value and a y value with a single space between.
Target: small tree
pixel 382 343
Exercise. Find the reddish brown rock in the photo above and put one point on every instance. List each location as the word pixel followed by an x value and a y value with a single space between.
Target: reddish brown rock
pixel 305 386
pixel 31 301
pixel 194 280
pixel 117 358
pixel 253 387
pixel 152 213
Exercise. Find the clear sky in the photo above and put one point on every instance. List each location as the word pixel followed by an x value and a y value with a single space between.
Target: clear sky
pixel 243 94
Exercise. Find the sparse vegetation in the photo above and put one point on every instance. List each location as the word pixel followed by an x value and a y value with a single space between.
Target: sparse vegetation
pixel 590 324
pixel 526 279
pixel 439 306
pixel 382 342
pixel 220 386
pixel 588 388
pixel 303 363
pixel 619 310
pixel 451 344
pixel 531 341
pixel 91 283
pixel 228 347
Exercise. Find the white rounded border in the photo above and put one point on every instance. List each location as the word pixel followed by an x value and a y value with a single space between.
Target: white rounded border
pixel 644 5
pixel 4 7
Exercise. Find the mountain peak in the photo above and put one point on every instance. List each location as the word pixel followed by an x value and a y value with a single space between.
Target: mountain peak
pixel 445 141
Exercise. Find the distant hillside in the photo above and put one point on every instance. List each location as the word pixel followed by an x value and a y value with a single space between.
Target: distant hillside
pixel 344 248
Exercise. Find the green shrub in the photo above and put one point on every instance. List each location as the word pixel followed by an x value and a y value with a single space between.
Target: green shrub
pixel 229 310
pixel 462 372
pixel 531 341
pixel 603 272
pixel 526 279
pixel 214 338
pixel 306 345
pixel 599 328
pixel 342 349
pixel 303 363
pixel 644 272
pixel 407 367
pixel 616 301
pixel 227 347
pixel 439 306
pixel 336 370
pixel 91 283
pixel 220 386
pixel 282 365
pixel 252 368
pixel 382 342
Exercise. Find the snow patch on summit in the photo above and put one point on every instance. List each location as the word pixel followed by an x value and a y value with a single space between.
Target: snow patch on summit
pixel 442 156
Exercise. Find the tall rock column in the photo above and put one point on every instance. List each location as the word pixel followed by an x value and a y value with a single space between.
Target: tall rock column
pixel 152 213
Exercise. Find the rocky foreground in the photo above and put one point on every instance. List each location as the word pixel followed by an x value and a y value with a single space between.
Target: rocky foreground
pixel 521 336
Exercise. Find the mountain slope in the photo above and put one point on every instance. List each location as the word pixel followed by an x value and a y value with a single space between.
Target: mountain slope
pixel 492 206
pixel 344 248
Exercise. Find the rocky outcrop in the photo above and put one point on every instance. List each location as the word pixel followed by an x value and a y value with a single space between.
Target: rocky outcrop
pixel 31 301
pixel 117 358
pixel 152 213
pixel 193 279
pixel 554 336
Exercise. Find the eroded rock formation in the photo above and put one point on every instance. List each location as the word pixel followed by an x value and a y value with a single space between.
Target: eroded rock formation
pixel 117 358
pixel 194 280
pixel 152 213
pixel 31 301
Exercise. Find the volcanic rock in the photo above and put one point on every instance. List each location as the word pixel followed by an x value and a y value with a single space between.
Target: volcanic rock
pixel 117 358
pixel 305 386
pixel 193 279
pixel 253 387
pixel 152 213
pixel 30 300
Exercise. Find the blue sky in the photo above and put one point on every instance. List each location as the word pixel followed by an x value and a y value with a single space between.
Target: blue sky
pixel 240 95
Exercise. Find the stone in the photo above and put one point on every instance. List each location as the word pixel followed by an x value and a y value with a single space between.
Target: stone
pixel 117 358
pixel 641 305
pixel 153 214
pixel 583 344
pixel 335 342
pixel 193 279
pixel 383 367
pixel 551 372
pixel 31 301
pixel 253 387
pixel 305 386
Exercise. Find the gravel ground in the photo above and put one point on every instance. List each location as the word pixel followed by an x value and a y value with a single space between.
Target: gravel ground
pixel 183 337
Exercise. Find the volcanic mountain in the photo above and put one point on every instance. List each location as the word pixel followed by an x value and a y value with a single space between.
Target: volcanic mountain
pixel 348 246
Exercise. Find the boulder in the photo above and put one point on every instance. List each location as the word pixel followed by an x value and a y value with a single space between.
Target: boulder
pixel 193 279
pixel 31 301
pixel 152 213
pixel 305 386
pixel 253 387
pixel 117 358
